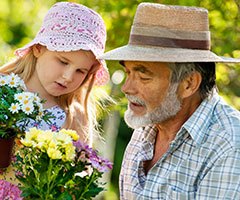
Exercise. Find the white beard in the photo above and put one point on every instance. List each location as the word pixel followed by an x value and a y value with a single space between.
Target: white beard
pixel 170 106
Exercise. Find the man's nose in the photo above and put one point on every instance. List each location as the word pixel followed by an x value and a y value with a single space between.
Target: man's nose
pixel 129 87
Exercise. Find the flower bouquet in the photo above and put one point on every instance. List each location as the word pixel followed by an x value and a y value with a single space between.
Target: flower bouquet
pixel 54 165
pixel 17 108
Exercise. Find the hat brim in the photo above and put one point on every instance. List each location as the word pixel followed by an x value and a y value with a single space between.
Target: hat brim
pixel 161 54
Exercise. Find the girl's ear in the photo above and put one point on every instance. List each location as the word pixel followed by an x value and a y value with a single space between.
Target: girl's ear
pixel 38 50
pixel 190 85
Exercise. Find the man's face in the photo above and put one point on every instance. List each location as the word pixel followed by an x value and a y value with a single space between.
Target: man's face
pixel 151 97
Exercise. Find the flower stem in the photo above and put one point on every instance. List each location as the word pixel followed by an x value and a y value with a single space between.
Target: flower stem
pixel 87 186
pixel 49 171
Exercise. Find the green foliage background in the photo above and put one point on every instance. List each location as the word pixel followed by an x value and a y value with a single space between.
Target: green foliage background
pixel 21 19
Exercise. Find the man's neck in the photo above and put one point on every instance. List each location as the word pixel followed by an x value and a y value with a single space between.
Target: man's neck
pixel 168 129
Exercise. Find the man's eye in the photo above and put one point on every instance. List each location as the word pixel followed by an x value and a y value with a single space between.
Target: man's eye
pixel 144 78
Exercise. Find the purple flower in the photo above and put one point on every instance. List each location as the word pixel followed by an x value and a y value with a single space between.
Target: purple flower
pixel 9 191
pixel 101 164
pixel 97 162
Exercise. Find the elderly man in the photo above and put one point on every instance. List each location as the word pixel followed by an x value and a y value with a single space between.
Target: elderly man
pixel 186 143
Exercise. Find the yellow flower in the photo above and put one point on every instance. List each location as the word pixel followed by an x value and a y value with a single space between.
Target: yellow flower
pixel 30 137
pixel 70 152
pixel 45 136
pixel 52 144
pixel 27 143
pixel 43 140
pixel 63 139
pixel 41 146
pixel 71 133
pixel 54 153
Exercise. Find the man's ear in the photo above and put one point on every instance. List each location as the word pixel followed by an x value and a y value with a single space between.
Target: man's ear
pixel 190 85
pixel 38 50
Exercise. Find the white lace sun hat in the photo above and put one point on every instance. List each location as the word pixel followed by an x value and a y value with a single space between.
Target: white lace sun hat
pixel 71 27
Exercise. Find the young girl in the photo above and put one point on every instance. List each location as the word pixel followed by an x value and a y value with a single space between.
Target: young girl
pixel 60 65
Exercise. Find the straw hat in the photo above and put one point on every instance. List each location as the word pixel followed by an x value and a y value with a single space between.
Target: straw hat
pixel 166 33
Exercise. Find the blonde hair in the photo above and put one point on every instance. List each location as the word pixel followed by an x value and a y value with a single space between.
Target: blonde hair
pixel 79 107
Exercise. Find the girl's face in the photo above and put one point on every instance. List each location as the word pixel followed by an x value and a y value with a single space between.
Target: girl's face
pixel 59 73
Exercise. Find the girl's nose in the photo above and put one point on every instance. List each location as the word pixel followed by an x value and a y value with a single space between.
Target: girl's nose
pixel 68 75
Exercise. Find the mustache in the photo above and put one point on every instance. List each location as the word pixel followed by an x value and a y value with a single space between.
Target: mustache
pixel 134 99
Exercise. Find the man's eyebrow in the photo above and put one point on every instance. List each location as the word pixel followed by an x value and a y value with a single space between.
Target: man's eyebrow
pixel 142 69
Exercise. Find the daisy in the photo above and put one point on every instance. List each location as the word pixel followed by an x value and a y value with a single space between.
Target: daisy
pixel 28 108
pixel 15 107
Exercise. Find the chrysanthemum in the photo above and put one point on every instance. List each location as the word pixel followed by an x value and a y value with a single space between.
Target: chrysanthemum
pixel 54 153
pixel 71 133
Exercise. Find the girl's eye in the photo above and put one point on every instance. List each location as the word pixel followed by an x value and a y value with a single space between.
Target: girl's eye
pixel 79 71
pixel 64 62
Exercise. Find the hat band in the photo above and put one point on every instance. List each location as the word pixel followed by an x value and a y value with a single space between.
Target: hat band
pixel 169 42
pixel 162 36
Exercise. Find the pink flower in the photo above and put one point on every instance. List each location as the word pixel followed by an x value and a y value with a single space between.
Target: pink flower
pixel 9 191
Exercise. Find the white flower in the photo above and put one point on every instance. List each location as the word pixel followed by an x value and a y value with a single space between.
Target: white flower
pixel 39 116
pixel 19 96
pixel 28 95
pixel 36 99
pixel 15 107
pixel 13 80
pixel 40 107
pixel 22 84
pixel 81 174
pixel 27 108
pixel 2 80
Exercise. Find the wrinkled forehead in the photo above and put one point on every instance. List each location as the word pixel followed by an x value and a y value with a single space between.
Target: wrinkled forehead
pixel 152 69
pixel 145 64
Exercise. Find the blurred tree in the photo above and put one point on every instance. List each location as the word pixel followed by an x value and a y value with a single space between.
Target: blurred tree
pixel 21 19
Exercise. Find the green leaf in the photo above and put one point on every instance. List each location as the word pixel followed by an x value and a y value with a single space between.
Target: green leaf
pixel 65 196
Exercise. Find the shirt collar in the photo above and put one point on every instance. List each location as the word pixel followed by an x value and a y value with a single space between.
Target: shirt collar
pixel 149 133
pixel 200 120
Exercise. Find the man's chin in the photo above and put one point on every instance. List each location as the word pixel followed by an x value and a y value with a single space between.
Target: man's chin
pixel 134 121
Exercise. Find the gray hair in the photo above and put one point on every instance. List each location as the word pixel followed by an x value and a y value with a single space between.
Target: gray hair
pixel 207 70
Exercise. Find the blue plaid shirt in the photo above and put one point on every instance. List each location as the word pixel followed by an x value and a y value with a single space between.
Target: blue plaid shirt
pixel 203 161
